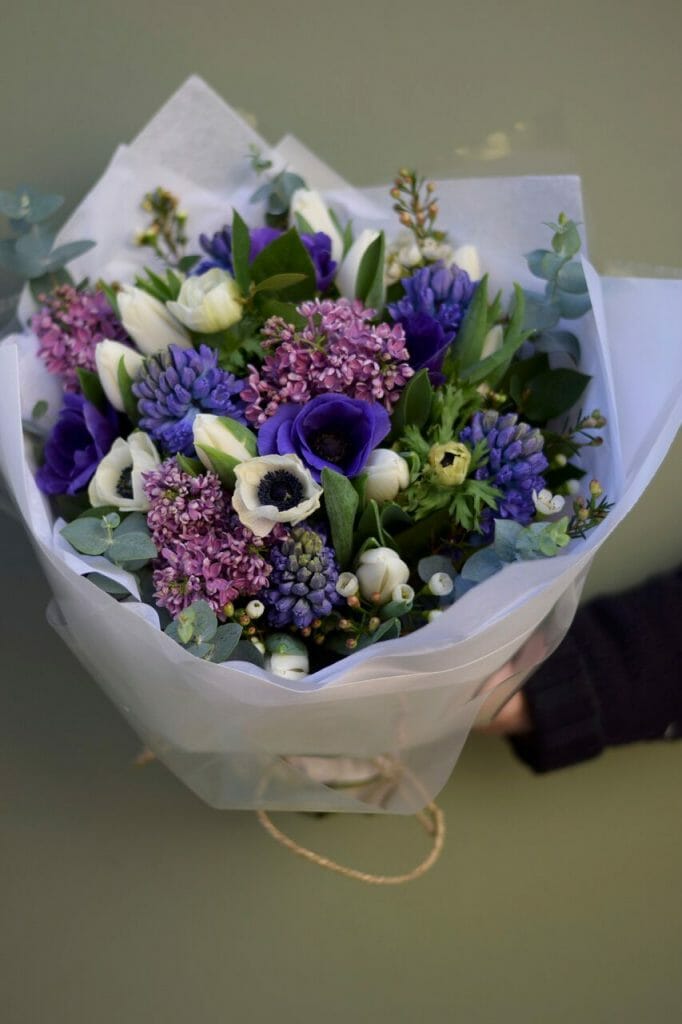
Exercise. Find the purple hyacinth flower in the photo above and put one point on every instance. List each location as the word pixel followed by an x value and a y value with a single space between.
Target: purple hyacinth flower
pixel 332 431
pixel 177 384
pixel 78 442
pixel 431 311
pixel 303 580
pixel 218 249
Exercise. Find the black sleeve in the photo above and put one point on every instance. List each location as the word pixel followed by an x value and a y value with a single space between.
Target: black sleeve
pixel 616 678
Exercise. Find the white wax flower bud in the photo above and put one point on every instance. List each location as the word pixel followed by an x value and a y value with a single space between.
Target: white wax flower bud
pixel 347 274
pixel 402 594
pixel 289 666
pixel 433 614
pixel 223 434
pixel 255 609
pixel 118 480
pixel 440 584
pixel 209 302
pixel 546 503
pixel 258 644
pixel 467 258
pixel 492 341
pixel 347 584
pixel 108 355
pixel 379 572
pixel 410 255
pixel 433 250
pixel 572 486
pixel 311 206
pixel 148 322
pixel 387 474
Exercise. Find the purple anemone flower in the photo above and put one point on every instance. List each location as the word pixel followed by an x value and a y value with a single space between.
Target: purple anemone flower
pixel 431 311
pixel 331 430
pixel 218 249
pixel 78 442
pixel 177 384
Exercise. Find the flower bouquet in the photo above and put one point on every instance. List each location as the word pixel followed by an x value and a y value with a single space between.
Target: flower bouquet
pixel 305 473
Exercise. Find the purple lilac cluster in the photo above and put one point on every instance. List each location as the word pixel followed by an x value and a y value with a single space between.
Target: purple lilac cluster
pixel 218 249
pixel 177 384
pixel 303 581
pixel 205 552
pixel 68 327
pixel 339 350
pixel 515 464
pixel 435 301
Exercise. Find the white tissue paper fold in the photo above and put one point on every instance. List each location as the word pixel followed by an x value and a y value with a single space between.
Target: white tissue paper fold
pixel 382 729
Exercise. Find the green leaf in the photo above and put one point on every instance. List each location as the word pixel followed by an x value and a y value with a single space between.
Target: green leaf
pixel 39 409
pixel 108 585
pixel 131 547
pixel 424 536
pixel 46 283
pixel 552 393
pixel 572 307
pixel 223 465
pixel 543 263
pixel 541 313
pixel 187 263
pixel 225 641
pixel 369 526
pixel 341 504
pixel 413 406
pixel 246 651
pixel 278 283
pixel 558 341
pixel 303 226
pixel 571 278
pixel 494 367
pixel 205 621
pixel 89 536
pixel 112 297
pixel 65 253
pixel 369 283
pixel 201 650
pixel 91 388
pixel 566 241
pixel 241 250
pixel 192 466
pixel 394 518
pixel 134 522
pixel 286 255
pixel 241 434
pixel 268 306
pixel 473 330
pixel 389 630
pixel 125 384
pixel 426 567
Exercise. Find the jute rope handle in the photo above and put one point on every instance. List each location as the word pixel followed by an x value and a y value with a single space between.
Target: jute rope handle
pixel 432 819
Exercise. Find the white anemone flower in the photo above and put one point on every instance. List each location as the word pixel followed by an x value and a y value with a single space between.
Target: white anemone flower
pixel 118 480
pixel 274 489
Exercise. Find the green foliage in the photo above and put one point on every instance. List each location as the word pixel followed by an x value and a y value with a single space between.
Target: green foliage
pixel 125 384
pixel 192 466
pixel 287 255
pixel 125 542
pixel 241 248
pixel 492 369
pixel 276 194
pixel 165 289
pixel 369 283
pixel 341 504
pixel 413 406
pixel 566 293
pixel 197 630
pixel 223 465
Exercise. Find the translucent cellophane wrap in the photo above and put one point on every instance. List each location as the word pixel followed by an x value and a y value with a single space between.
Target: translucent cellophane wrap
pixel 382 729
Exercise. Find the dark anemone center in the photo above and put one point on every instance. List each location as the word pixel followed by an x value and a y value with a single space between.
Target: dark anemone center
pixel 280 488
pixel 124 487
pixel 331 447
pixel 448 459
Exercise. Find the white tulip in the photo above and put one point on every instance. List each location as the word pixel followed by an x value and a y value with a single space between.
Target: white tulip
pixel 379 572
pixel 387 474
pixel 347 274
pixel 311 206
pixel 148 322
pixel 118 480
pixel 467 258
pixel 224 435
pixel 108 355
pixel 274 489
pixel 288 666
pixel 209 302
pixel 492 342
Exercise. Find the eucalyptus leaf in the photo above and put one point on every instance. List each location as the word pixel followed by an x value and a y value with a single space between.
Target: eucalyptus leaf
pixel 543 263
pixel 426 567
pixel 571 278
pixel 200 650
pixel 131 547
pixel 246 651
pixel 558 341
pixel 571 306
pixel 507 534
pixel 89 536
pixel 65 253
pixel 205 621
pixel 46 283
pixel 541 312
pixel 108 585
pixel 225 641
pixel 341 504
pixel 481 566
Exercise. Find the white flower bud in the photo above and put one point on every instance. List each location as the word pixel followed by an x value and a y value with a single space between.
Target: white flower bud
pixel 572 486
pixel 258 644
pixel 225 435
pixel 546 503
pixel 108 355
pixel 379 572
pixel 347 274
pixel 433 614
pixel 289 666
pixel 347 584
pixel 467 258
pixel 118 479
pixel 410 255
pixel 402 594
pixel 440 584
pixel 492 341
pixel 255 609
pixel 148 322
pixel 311 206
pixel 387 474
pixel 209 302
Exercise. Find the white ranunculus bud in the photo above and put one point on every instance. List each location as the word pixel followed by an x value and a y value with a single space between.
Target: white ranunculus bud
pixel 274 489
pixel 225 435
pixel 347 274
pixel 118 480
pixel 546 503
pixel 379 572
pixel 148 322
pixel 208 302
pixel 467 258
pixel 492 342
pixel 255 609
pixel 289 666
pixel 403 594
pixel 347 584
pixel 387 474
pixel 108 355
pixel 440 584
pixel 311 206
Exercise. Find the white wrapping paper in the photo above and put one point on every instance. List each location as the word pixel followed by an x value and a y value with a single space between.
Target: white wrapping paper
pixel 236 735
